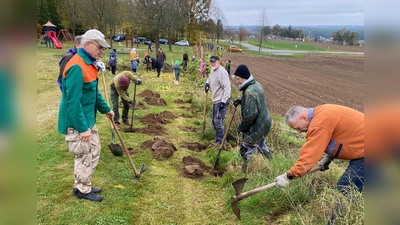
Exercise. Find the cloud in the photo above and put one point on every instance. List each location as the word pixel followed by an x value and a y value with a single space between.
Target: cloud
pixel 291 12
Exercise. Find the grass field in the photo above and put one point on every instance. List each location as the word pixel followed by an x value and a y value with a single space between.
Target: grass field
pixel 162 195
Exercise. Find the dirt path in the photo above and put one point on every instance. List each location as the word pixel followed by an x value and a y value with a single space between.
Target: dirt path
pixel 308 81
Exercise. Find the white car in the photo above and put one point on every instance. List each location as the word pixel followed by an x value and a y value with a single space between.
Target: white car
pixel 182 43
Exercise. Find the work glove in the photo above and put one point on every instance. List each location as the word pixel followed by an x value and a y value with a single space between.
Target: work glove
pixel 324 162
pixel 237 102
pixel 206 87
pixel 133 102
pixel 137 82
pixel 222 105
pixel 282 181
pixel 100 66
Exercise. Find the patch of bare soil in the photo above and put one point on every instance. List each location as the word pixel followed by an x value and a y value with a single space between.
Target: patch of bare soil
pixel 180 101
pixel 162 149
pixel 194 168
pixel 155 101
pixel 309 81
pixel 197 147
pixel 189 129
pixel 154 123
pixel 148 94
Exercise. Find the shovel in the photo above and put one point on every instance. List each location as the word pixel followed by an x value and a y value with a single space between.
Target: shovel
pixel 223 139
pixel 143 168
pixel 115 148
pixel 204 116
pixel 133 107
pixel 238 185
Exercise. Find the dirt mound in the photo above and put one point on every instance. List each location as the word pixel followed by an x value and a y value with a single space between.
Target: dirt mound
pixel 197 147
pixel 180 101
pixel 168 115
pixel 155 101
pixel 189 129
pixel 194 168
pixel 162 149
pixel 167 68
pixel 151 129
pixel 152 118
pixel 149 94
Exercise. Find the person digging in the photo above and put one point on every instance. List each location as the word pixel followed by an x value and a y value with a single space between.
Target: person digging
pixel 119 88
pixel 256 120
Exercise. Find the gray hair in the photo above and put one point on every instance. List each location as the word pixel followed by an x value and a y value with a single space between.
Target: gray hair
pixel 78 40
pixel 293 113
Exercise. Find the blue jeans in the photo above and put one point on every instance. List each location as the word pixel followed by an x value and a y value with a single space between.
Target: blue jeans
pixel 246 151
pixel 218 121
pixel 354 174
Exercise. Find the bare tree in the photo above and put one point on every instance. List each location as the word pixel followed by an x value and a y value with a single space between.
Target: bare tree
pixel 242 33
pixel 71 10
pixel 219 19
pixel 263 24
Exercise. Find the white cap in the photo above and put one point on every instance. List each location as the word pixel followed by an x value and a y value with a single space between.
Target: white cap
pixel 96 35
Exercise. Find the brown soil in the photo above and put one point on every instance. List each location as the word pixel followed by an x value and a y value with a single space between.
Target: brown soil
pixel 197 147
pixel 194 168
pixel 308 81
pixel 154 123
pixel 162 149
pixel 148 93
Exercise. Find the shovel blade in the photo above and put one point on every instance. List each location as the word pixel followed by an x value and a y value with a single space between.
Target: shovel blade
pixel 239 184
pixel 116 149
pixel 235 207
pixel 143 168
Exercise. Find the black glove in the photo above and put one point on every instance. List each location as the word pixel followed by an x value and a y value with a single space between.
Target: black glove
pixel 324 162
pixel 137 82
pixel 206 87
pixel 237 102
pixel 133 102
pixel 222 105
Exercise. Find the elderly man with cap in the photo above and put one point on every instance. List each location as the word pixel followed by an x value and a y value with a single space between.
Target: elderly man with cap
pixel 218 83
pixel 256 120
pixel 119 88
pixel 80 101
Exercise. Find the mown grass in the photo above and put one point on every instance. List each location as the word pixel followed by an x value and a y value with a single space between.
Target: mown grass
pixel 279 45
pixel 162 195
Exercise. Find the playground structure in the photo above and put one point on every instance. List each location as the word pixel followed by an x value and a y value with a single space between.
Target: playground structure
pixel 51 38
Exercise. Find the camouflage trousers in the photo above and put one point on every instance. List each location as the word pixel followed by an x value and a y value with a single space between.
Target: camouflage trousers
pixel 87 156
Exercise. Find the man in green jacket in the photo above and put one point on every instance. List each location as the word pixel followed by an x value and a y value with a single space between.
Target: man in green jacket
pixel 256 120
pixel 80 101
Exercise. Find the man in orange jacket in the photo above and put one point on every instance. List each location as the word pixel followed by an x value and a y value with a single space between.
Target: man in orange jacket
pixel 335 130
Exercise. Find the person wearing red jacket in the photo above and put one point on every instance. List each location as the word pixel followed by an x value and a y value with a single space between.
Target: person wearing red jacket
pixel 335 131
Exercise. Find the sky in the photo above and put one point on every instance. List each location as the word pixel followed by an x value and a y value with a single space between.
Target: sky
pixel 293 12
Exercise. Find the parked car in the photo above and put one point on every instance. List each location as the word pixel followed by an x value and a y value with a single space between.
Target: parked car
pixel 141 39
pixel 182 43
pixel 118 37
pixel 163 41
pixel 233 48
pixel 146 41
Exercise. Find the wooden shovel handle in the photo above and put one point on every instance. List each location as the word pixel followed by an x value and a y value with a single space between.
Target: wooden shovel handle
pixel 137 174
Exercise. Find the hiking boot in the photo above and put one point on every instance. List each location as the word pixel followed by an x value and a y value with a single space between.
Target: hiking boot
pixel 91 196
pixel 117 126
pixel 126 122
pixel 94 190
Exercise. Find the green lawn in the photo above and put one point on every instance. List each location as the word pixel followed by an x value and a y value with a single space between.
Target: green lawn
pixel 163 195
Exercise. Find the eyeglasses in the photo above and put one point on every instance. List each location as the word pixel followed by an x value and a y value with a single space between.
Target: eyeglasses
pixel 101 48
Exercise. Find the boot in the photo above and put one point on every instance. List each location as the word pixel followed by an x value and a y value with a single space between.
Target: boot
pixel 91 196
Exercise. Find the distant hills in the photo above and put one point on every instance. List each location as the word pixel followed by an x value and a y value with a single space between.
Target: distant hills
pixel 314 31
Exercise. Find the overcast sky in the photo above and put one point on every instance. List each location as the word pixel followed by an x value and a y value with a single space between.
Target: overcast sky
pixel 293 12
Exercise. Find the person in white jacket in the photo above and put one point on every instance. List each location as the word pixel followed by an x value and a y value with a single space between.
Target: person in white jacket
pixel 218 83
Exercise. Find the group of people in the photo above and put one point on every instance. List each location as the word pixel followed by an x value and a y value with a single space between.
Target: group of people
pixel 332 131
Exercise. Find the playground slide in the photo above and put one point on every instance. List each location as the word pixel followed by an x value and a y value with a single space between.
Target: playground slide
pixel 52 36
